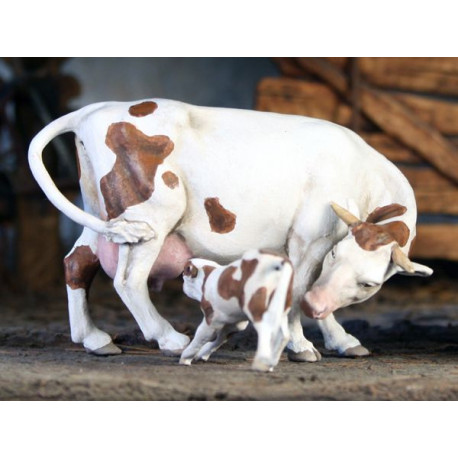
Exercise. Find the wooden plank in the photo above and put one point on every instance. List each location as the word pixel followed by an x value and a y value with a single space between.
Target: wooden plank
pixel 434 193
pixel 39 250
pixel 306 98
pixel 425 74
pixel 440 114
pixel 390 148
pixel 404 125
pixel 436 241
pixel 394 118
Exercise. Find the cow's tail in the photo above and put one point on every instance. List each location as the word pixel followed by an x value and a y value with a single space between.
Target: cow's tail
pixel 119 231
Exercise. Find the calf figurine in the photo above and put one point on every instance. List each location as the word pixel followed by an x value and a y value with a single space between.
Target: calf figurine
pixel 257 287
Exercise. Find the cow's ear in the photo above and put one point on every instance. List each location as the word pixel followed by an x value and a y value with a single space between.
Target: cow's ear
pixel 419 270
pixel 405 266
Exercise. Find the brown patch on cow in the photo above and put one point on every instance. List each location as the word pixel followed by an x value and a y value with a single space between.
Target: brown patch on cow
pixel 80 267
pixel 142 109
pixel 370 236
pixel 258 304
pixel 386 212
pixel 170 179
pixel 229 288
pixel 221 220
pixel 131 181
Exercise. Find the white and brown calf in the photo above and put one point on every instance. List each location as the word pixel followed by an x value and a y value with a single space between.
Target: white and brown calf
pixel 258 287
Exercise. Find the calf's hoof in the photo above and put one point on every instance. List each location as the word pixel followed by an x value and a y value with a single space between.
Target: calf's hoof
pixel 261 366
pixel 185 361
pixel 308 356
pixel 109 349
pixel 356 352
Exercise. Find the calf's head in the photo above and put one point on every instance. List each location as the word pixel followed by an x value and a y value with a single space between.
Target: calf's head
pixel 357 266
pixel 195 274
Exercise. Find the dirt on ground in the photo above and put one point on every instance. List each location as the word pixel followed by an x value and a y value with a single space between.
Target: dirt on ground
pixel 410 327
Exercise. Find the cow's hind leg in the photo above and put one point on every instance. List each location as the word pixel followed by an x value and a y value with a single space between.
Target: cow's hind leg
pixel 81 265
pixel 131 283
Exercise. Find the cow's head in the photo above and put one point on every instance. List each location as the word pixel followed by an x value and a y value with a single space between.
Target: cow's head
pixel 358 265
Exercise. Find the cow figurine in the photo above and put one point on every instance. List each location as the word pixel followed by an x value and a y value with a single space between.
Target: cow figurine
pixel 257 287
pixel 161 180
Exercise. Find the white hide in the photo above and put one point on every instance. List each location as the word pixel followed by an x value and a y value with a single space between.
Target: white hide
pixel 276 173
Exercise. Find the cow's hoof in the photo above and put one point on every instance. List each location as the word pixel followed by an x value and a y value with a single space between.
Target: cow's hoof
pixel 356 352
pixel 109 349
pixel 175 346
pixel 308 356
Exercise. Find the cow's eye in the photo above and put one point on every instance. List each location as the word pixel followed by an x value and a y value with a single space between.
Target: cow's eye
pixel 333 253
pixel 367 284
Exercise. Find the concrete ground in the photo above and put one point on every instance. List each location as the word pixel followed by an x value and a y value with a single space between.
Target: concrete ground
pixel 411 328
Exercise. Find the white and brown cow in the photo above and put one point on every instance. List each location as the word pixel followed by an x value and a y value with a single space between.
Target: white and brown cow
pixel 163 180
pixel 257 287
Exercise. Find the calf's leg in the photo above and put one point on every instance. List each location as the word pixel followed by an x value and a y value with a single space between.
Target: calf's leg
pixel 204 334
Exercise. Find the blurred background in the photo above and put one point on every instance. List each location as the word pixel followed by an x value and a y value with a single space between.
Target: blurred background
pixel 407 108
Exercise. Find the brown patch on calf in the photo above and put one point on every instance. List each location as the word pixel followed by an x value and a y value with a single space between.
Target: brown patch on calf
pixel 258 304
pixel 289 293
pixel 205 304
pixel 142 109
pixel 221 220
pixel 170 179
pixel 371 236
pixel 80 267
pixel 131 181
pixel 229 288
pixel 386 212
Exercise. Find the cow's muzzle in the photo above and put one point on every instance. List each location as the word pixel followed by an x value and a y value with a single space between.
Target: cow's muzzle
pixel 315 305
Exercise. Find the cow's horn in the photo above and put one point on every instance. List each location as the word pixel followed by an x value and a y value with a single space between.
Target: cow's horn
pixel 345 215
pixel 401 259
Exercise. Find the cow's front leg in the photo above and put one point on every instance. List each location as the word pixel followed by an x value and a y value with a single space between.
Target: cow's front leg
pixel 131 283
pixel 335 338
pixel 80 266
pixel 299 349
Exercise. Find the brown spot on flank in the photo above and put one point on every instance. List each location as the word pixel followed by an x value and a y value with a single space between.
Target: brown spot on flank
pixel 258 304
pixel 142 109
pixel 221 220
pixel 228 287
pixel 80 267
pixel 131 181
pixel 170 179
pixel 371 236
